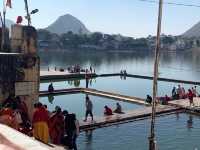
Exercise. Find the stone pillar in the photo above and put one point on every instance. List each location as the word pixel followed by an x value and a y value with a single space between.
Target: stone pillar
pixel 24 41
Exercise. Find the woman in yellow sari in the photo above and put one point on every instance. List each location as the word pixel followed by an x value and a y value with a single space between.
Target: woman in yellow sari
pixel 40 124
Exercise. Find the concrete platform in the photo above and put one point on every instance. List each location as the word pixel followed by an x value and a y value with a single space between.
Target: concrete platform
pixel 58 75
pixel 141 113
pixel 184 103
pixel 96 93
pixel 10 138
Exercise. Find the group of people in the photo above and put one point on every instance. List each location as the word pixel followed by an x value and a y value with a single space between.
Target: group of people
pixel 180 93
pixel 57 127
pixel 107 110
pixel 14 113
pixel 177 93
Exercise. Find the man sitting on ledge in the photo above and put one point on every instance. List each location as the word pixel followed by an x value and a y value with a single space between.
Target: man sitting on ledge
pixel 118 109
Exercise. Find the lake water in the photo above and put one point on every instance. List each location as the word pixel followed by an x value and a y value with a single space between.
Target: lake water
pixel 75 103
pixel 177 65
pixel 130 86
pixel 173 132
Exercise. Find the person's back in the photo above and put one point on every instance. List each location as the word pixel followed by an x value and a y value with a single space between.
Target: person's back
pixel 179 91
pixel 108 111
pixel 149 99
pixel 118 108
pixel 174 91
pixel 69 123
pixel 50 88
pixel 89 105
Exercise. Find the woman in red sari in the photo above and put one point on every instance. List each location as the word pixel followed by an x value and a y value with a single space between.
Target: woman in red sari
pixel 56 126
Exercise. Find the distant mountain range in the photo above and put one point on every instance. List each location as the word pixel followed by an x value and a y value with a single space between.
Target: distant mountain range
pixel 193 32
pixel 67 23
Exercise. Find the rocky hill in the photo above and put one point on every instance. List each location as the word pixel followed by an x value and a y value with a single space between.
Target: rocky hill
pixel 67 23
pixel 193 32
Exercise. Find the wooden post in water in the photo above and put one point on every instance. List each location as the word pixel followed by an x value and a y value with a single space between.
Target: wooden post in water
pixel 152 145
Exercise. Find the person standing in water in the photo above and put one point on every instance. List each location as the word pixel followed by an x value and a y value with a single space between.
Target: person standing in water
pixel 89 107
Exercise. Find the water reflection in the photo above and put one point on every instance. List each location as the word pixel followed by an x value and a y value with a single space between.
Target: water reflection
pixel 177 116
pixel 181 64
pixel 190 122
pixel 74 82
pixel 89 139
pixel 50 98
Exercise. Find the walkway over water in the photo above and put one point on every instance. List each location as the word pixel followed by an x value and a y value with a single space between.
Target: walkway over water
pixel 184 103
pixel 96 93
pixel 116 118
pixel 128 116
pixel 56 75
pixel 172 107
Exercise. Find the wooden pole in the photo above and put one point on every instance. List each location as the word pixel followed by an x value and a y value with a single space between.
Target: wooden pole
pixel 27 12
pixel 152 145
pixel 3 27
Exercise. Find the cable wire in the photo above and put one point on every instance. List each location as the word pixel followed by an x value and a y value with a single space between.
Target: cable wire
pixel 171 3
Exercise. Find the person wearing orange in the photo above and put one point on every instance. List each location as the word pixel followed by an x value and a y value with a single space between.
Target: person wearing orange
pixel 40 124
pixel 56 126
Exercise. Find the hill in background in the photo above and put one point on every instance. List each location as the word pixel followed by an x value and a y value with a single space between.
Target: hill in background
pixel 67 23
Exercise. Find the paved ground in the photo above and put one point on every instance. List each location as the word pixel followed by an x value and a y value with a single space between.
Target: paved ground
pixel 51 73
pixel 11 139
pixel 127 116
pixel 184 103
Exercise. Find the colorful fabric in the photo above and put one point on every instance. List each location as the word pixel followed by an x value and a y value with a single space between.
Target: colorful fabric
pixel 40 115
pixel 41 131
pixel 56 128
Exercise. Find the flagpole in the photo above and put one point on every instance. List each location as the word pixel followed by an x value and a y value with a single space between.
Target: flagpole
pixel 27 12
pixel 152 145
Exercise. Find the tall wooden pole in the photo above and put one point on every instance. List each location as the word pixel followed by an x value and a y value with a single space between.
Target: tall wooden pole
pixel 27 12
pixel 3 27
pixel 152 145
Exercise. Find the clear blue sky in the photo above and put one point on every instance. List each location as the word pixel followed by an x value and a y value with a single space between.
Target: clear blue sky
pixel 127 17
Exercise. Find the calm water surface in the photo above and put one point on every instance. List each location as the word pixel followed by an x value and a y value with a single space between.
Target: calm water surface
pixel 75 103
pixel 130 86
pixel 173 132
pixel 178 65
